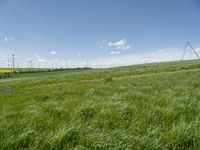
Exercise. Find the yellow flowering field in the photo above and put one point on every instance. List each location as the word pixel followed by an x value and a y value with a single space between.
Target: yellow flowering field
pixel 6 71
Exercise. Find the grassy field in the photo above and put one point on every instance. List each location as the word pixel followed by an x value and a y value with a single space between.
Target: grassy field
pixel 150 106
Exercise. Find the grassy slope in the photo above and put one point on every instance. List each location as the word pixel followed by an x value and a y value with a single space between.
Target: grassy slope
pixel 152 106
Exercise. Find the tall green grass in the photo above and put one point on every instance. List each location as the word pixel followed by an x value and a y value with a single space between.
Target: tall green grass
pixel 151 106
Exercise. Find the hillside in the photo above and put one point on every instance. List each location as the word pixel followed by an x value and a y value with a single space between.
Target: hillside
pixel 149 106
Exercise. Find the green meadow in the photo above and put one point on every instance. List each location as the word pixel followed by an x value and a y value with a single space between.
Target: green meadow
pixel 149 106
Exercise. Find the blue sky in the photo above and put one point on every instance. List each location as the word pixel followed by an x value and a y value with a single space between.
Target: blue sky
pixel 50 30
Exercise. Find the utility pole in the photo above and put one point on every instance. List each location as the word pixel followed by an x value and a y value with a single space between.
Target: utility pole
pixel 13 60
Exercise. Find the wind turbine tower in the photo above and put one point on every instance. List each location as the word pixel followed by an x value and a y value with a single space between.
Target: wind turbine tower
pixel 13 60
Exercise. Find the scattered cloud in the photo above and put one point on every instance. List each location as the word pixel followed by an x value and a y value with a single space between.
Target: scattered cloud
pixel 197 49
pixel 114 59
pixel 37 56
pixel 114 45
pixel 52 52
pixel 148 57
pixel 28 59
pixel 103 44
pixel 160 50
pixel 41 60
pixel 7 39
pixel 114 52
pixel 120 45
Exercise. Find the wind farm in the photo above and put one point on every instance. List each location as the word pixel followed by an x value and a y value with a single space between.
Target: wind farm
pixel 99 75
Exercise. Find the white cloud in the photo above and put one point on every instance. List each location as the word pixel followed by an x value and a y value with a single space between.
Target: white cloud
pixel 114 52
pixel 160 50
pixel 101 43
pixel 52 52
pixel 28 59
pixel 120 45
pixel 141 58
pixel 114 45
pixel 6 39
pixel 37 56
pixel 114 59
pixel 148 57
pixel 41 60
pixel 197 49
pixel 128 47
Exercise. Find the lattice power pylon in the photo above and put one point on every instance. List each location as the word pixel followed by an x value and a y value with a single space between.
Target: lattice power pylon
pixel 189 45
